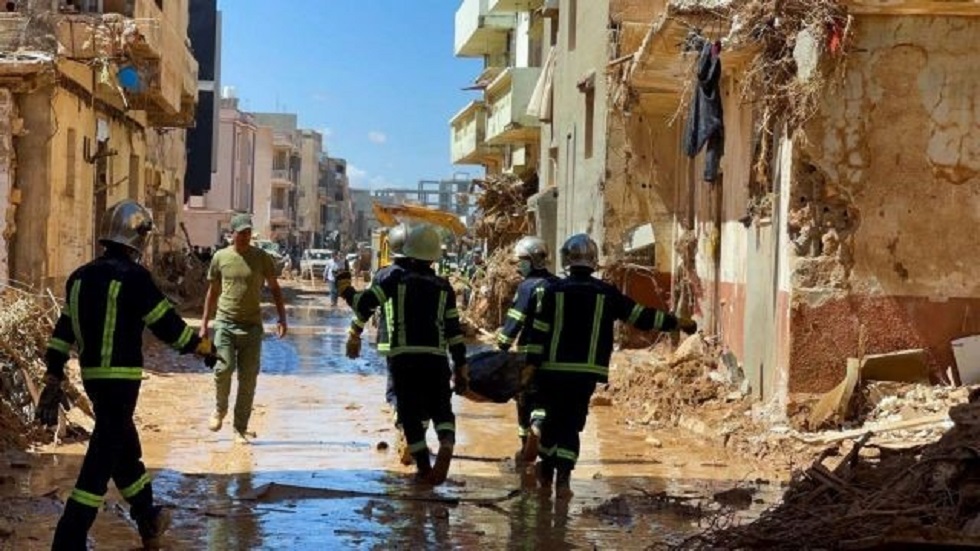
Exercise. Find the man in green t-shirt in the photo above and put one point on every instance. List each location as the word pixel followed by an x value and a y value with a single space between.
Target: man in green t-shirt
pixel 236 276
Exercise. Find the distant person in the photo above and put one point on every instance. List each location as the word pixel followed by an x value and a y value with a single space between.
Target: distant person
pixel 236 277
pixel 110 301
pixel 334 265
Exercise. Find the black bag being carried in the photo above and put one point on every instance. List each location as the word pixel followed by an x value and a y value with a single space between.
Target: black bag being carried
pixel 496 375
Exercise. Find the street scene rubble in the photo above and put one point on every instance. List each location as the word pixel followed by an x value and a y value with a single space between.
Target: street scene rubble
pixel 777 194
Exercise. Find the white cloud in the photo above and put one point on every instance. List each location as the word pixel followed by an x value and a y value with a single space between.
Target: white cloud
pixel 362 179
pixel 377 137
pixel 319 97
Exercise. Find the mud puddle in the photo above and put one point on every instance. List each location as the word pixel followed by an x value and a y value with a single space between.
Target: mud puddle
pixel 323 471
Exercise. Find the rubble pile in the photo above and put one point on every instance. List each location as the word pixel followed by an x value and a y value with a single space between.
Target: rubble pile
pixel 492 291
pixel 183 278
pixel 26 321
pixel 662 389
pixel 863 496
pixel 502 207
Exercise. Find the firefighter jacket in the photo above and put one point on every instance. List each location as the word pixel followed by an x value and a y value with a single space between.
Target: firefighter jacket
pixel 576 322
pixel 420 313
pixel 110 301
pixel 353 300
pixel 522 314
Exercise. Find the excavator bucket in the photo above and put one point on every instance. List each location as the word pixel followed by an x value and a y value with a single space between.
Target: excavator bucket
pixel 390 215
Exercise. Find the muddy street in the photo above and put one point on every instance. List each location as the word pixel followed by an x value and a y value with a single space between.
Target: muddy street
pixel 323 471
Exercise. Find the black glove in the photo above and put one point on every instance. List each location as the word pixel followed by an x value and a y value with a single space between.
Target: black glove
pixel 461 379
pixel 206 350
pixel 688 326
pixel 343 281
pixel 51 398
pixel 353 345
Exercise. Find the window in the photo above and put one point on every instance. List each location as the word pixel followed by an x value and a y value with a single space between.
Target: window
pixel 589 120
pixel 572 17
pixel 70 168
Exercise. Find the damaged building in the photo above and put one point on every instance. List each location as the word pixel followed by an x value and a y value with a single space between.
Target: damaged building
pixel 809 198
pixel 94 101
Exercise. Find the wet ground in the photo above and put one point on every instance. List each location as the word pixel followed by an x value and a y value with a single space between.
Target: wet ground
pixel 323 472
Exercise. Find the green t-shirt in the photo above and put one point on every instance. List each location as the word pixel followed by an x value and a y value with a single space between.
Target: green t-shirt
pixel 241 277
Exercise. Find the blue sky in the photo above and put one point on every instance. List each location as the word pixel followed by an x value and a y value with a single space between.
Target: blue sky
pixel 377 77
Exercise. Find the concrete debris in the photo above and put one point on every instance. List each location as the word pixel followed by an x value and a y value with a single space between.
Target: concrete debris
pixel 502 210
pixel 183 278
pixel 26 321
pixel 851 500
pixel 492 291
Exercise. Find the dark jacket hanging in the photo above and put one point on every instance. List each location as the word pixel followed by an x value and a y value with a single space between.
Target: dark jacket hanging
pixel 705 123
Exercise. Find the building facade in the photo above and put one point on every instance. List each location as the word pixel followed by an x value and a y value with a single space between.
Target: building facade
pixel 96 105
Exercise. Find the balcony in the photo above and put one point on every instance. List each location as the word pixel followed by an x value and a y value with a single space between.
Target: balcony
pixel 468 145
pixel 479 32
pixel 511 6
pixel 507 100
pixel 282 179
pixel 280 216
pixel 285 140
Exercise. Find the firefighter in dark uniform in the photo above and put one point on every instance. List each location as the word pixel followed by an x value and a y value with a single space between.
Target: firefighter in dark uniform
pixel 531 256
pixel 571 347
pixel 422 322
pixel 110 301
pixel 396 242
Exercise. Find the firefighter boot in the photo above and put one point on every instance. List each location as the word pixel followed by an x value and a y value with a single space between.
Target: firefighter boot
pixel 546 475
pixel 424 472
pixel 152 525
pixel 71 533
pixel 563 484
pixel 532 444
pixel 445 456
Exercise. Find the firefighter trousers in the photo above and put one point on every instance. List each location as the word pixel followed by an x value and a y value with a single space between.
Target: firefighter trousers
pixel 114 452
pixel 422 391
pixel 564 397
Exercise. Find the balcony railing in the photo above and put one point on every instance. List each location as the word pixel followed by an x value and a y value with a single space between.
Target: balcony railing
pixel 468 129
pixel 280 216
pixel 479 32
pixel 507 100
pixel 510 6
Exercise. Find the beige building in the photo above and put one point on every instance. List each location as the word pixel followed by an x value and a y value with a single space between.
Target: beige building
pixel 286 166
pixel 495 130
pixel 92 110
pixel 823 236
pixel 308 199
pixel 232 185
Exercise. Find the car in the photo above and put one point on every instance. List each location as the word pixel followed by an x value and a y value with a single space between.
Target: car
pixel 314 262
pixel 273 249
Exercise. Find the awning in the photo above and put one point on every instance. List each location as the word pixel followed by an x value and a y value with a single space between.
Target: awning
pixel 390 215
pixel 542 99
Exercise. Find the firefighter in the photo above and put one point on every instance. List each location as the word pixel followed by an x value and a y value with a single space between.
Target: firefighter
pixel 569 353
pixel 110 301
pixel 531 257
pixel 422 322
pixel 396 241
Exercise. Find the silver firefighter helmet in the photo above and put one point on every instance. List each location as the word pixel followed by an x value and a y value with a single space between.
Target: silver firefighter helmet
pixel 396 240
pixel 126 223
pixel 423 243
pixel 580 251
pixel 533 250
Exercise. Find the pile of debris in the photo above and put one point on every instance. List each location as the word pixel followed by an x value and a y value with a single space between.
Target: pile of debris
pixel 26 321
pixel 697 381
pixel 863 496
pixel 502 207
pixel 492 291
pixel 182 277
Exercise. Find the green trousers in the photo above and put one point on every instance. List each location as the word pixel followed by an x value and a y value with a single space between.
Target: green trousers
pixel 240 346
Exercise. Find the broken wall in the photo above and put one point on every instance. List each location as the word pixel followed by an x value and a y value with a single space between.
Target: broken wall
pixel 886 199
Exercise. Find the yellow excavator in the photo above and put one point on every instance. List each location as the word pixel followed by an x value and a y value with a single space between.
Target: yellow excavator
pixel 390 215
